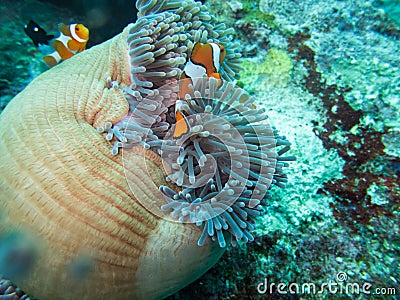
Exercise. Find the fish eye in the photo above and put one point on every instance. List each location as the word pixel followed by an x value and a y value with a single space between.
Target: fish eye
pixel 76 29
pixel 35 29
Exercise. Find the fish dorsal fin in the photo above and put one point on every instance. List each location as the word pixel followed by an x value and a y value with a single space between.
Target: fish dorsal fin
pixel 64 29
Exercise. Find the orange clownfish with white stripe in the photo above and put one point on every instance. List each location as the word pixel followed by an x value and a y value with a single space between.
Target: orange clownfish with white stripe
pixel 72 40
pixel 205 60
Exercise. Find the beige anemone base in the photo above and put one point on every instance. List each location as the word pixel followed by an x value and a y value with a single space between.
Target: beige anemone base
pixel 68 199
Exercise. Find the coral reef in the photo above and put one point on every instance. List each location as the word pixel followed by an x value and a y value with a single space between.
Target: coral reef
pixel 340 212
pixel 391 8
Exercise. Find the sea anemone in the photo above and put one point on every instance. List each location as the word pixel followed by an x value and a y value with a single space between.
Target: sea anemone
pixel 9 291
pixel 226 162
pixel 222 169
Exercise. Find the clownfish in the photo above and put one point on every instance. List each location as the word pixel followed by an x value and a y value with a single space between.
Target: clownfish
pixel 72 40
pixel 205 60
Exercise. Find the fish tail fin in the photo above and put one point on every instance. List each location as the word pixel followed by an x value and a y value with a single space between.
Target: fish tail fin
pixel 52 59
pixel 63 28
pixel 49 60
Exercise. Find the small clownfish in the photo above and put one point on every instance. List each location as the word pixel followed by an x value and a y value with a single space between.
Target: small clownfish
pixel 205 60
pixel 72 40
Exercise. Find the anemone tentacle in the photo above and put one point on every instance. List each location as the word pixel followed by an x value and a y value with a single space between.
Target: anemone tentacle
pixel 228 162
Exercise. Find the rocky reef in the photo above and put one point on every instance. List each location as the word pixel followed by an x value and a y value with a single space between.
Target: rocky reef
pixel 340 211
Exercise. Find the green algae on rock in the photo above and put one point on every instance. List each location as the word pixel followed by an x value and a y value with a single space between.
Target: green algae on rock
pixel 274 70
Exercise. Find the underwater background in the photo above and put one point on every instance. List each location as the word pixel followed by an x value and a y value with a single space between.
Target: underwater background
pixel 327 73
